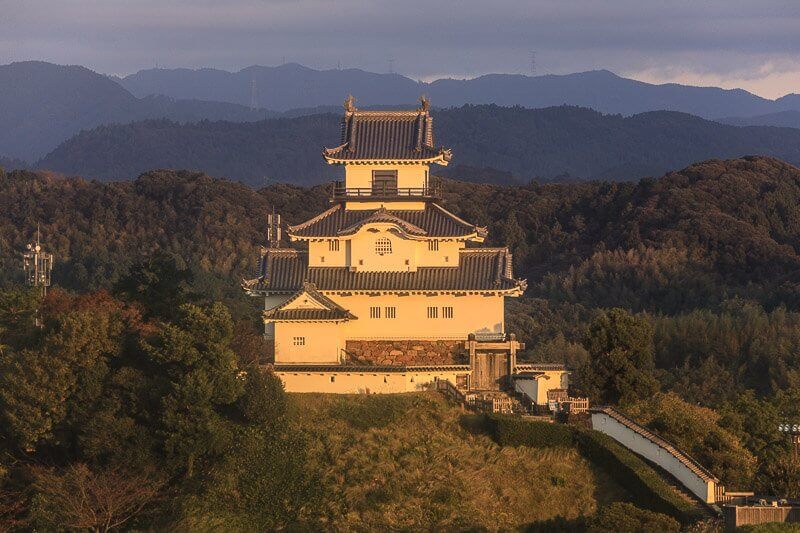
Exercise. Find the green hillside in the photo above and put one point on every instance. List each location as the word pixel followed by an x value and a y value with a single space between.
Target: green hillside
pixel 405 462
pixel 528 143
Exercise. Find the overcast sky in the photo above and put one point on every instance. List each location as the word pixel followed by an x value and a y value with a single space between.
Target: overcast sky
pixel 729 43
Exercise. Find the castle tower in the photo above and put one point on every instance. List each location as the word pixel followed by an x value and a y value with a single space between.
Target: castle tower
pixel 381 292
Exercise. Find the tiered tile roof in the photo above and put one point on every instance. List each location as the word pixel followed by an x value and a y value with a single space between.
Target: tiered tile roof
pixel 434 221
pixel 386 136
pixel 480 270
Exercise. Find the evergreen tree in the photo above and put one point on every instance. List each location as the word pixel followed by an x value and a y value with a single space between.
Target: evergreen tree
pixel 621 367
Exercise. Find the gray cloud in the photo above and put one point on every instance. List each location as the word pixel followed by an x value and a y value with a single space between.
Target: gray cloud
pixel 732 43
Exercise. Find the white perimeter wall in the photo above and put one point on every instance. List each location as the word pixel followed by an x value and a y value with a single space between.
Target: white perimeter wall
pixel 651 451
pixel 342 382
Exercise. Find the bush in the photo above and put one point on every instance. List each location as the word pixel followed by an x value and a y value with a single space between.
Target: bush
pixel 514 431
pixel 627 518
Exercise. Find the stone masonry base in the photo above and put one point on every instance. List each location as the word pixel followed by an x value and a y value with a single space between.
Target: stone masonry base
pixel 406 352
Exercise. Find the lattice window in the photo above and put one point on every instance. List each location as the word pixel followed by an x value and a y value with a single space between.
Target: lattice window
pixel 383 246
pixel 333 246
pixel 299 341
pixel 391 312
pixel 447 312
pixel 374 312
pixel 433 246
pixel 433 312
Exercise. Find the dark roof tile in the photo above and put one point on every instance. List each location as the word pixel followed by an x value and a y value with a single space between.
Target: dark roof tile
pixel 433 221
pixel 479 269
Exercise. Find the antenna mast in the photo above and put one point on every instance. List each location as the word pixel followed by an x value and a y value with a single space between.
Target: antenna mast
pixel 274 229
pixel 37 265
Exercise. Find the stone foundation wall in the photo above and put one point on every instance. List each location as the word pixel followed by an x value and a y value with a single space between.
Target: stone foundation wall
pixel 407 352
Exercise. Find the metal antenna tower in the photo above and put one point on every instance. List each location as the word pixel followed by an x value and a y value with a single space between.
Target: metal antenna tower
pixel 37 265
pixel 533 63
pixel 274 229
pixel 253 94
pixel 391 65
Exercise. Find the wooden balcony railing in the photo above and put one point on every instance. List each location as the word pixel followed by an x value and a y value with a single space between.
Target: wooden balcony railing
pixel 383 192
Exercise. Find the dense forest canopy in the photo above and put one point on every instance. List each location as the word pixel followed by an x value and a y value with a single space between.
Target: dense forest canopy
pixel 700 267
pixel 527 143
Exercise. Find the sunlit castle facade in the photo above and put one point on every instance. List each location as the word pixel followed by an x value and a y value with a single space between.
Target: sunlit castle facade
pixel 387 291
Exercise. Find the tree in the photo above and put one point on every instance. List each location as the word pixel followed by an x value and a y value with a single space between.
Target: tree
pixel 195 355
pixel 621 367
pixel 158 283
pixel 780 477
pixel 264 401
pixel 79 498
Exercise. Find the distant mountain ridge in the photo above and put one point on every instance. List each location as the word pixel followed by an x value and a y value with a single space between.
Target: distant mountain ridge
pixel 781 119
pixel 509 144
pixel 42 104
pixel 292 86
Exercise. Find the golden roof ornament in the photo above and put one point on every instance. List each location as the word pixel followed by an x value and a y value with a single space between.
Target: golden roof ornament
pixel 425 103
pixel 349 104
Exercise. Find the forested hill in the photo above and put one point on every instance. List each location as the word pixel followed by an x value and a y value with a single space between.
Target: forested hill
pixel 541 143
pixel 42 104
pixel 689 239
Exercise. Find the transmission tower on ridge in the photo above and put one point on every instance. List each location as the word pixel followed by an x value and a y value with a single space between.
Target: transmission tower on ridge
pixel 37 265
pixel 274 230
pixel 533 63
pixel 253 95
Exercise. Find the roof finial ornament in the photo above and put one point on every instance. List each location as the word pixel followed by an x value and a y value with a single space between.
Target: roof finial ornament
pixel 349 104
pixel 426 104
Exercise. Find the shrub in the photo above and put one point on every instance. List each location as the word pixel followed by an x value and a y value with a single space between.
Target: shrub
pixel 625 518
pixel 514 431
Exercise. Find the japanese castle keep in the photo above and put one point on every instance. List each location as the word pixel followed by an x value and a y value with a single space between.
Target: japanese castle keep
pixel 388 291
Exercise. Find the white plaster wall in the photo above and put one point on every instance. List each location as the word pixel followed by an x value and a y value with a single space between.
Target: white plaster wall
pixel 471 314
pixel 651 451
pixel 322 342
pixel 344 382
pixel 408 175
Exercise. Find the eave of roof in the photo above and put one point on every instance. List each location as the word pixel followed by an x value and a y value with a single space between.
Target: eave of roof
pixel 332 311
pixel 433 221
pixel 479 271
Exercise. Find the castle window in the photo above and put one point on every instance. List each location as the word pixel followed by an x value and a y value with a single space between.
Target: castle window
pixel 333 246
pixel 299 341
pixel 447 312
pixel 383 246
pixel 384 182
pixel 433 246
pixel 391 312
pixel 374 312
pixel 433 312
pixel 333 378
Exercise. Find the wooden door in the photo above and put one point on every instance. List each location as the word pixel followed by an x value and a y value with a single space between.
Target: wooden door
pixel 490 371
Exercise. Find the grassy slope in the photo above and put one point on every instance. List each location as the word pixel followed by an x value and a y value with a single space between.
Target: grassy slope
pixel 406 462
